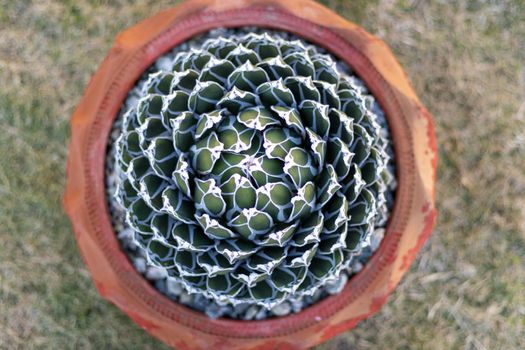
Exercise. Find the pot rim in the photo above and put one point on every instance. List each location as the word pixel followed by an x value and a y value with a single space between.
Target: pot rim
pixel 136 49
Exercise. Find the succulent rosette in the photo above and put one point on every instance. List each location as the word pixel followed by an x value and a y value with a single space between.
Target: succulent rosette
pixel 252 171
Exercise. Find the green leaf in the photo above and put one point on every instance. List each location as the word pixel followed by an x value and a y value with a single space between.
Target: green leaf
pixel 190 237
pixel 238 193
pixel 303 88
pixel 184 81
pixel 205 153
pixel 279 141
pixel 251 223
pixel 298 165
pixel 213 228
pixel 237 100
pixel 257 118
pixel 315 116
pixel 240 55
pixel 276 68
pixel 208 197
pixel 275 93
pixel 205 96
pixel 176 205
pixel 247 77
pixel 217 70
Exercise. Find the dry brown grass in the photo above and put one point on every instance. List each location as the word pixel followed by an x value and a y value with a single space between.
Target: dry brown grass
pixel 466 60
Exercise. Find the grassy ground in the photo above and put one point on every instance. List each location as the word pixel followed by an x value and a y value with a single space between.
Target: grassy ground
pixel 466 60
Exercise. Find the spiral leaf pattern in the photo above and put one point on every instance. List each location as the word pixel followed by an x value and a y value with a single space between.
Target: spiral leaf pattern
pixel 252 170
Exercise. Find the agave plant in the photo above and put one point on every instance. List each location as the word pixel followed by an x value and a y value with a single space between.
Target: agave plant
pixel 252 171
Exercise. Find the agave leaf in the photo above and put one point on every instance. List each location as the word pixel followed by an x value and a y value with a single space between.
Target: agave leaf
pixel 238 193
pixel 183 175
pixel 149 131
pixel 298 165
pixel 301 256
pixel 328 94
pixel 257 118
pixel 351 104
pixel 149 106
pixel 303 203
pixel 138 167
pixel 335 213
pixel 301 64
pixel 249 278
pixel 220 47
pixel 279 236
pixel 362 144
pixel 205 153
pixel 237 100
pixel 303 88
pixel 310 230
pixel 184 127
pixel 161 225
pixel 240 55
pixel 208 197
pixel 276 68
pixel 205 96
pixel 190 237
pixel 372 167
pixel 340 156
pixel 291 117
pixel 175 104
pixel 355 235
pixel 327 185
pixel 317 147
pixel 162 157
pixel 263 291
pixel 176 205
pixel 213 228
pixel 125 193
pixel 334 241
pixel 184 81
pixel 195 59
pixel 315 116
pixel 274 199
pixel 279 141
pixel 140 216
pixel 235 136
pixel 247 77
pixel 264 45
pixel 160 254
pixel 217 70
pixel 354 185
pixel 288 47
pixel 236 250
pixel 341 126
pixel 288 280
pixel 325 265
pixel 215 264
pixel 251 223
pixel 127 147
pixel 227 165
pixel 208 121
pixel 159 83
pixel 275 93
pixel 325 70
pixel 264 170
pixel 267 259
pixel 186 263
pixel 151 188
pixel 223 284
pixel 363 208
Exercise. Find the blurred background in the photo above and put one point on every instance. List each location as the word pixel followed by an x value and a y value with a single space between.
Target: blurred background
pixel 466 60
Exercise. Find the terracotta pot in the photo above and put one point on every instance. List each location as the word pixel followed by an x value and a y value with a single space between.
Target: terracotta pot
pixel 409 226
